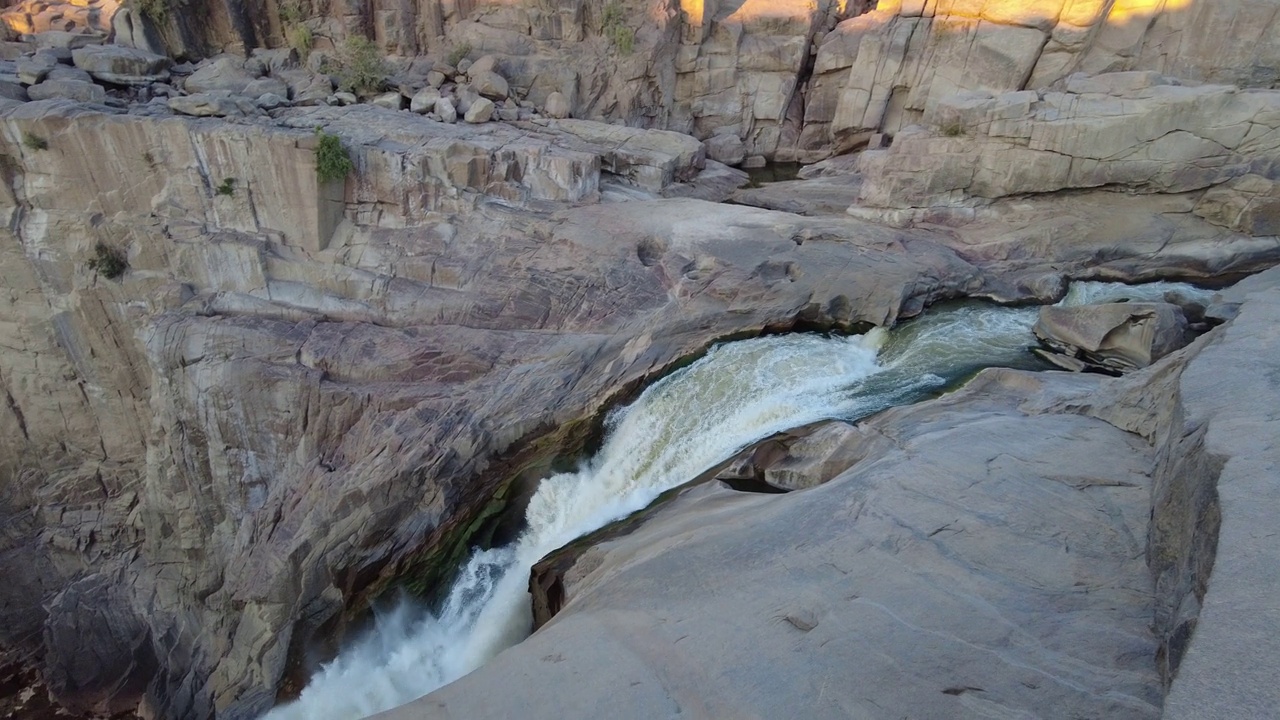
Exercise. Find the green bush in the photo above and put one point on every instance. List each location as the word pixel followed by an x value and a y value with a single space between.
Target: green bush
pixel 291 12
pixel 300 39
pixel 361 68
pixel 332 161
pixel 614 26
pixel 952 129
pixel 34 142
pixel 228 187
pixel 108 261
pixel 156 11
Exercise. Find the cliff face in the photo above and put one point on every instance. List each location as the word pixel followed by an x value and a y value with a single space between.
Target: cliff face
pixel 298 391
pixel 792 80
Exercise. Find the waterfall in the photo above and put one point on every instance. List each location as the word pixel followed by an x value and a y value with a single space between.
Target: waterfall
pixel 690 421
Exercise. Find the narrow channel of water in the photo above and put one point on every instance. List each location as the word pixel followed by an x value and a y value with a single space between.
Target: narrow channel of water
pixel 681 425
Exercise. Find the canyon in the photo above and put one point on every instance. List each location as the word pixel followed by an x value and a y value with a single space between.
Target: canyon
pixel 299 393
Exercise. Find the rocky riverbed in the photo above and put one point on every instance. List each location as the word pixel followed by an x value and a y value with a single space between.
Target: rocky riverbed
pixel 244 396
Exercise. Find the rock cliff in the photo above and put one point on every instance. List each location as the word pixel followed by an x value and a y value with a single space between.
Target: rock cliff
pixel 289 393
pixel 981 554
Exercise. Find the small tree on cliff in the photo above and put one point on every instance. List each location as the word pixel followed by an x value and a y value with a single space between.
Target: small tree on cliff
pixel 332 161
pixel 361 68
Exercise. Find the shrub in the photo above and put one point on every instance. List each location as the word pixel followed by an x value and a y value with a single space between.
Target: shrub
pixel 291 12
pixel 108 261
pixel 614 26
pixel 361 67
pixel 300 39
pixel 228 187
pixel 34 142
pixel 148 158
pixel 332 161
pixel 156 11
pixel 953 129
pixel 457 53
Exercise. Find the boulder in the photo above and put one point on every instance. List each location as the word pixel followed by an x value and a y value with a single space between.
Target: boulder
pixel 306 88
pixel 13 91
pixel 649 159
pixel 271 101
pixel 266 86
pixel 444 108
pixel 68 40
pixel 225 72
pixel 216 103
pixel 489 84
pixel 121 65
pixel 1115 336
pixel 481 110
pixel 487 63
pixel 345 98
pixel 424 100
pixel 62 72
pixel 390 100
pixel 34 69
pixel 435 78
pixel 78 90
pixel 557 106
pixel 726 148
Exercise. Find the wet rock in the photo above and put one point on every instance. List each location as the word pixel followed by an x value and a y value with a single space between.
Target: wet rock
pixel 121 65
pixel 1116 337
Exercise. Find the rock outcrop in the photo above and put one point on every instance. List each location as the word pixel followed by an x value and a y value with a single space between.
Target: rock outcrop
pixel 941 565
pixel 1115 337
pixel 238 402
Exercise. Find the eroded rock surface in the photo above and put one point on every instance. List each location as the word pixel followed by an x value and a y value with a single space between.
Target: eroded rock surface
pixel 998 532
pixel 981 554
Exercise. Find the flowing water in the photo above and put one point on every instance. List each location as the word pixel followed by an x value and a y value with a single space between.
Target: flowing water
pixel 680 426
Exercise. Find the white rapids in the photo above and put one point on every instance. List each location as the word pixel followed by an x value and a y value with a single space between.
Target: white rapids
pixel 682 425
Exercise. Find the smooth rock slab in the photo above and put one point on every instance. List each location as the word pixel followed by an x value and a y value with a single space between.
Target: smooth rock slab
pixel 981 560
pixel 121 65
pixel 78 90
pixel 211 104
